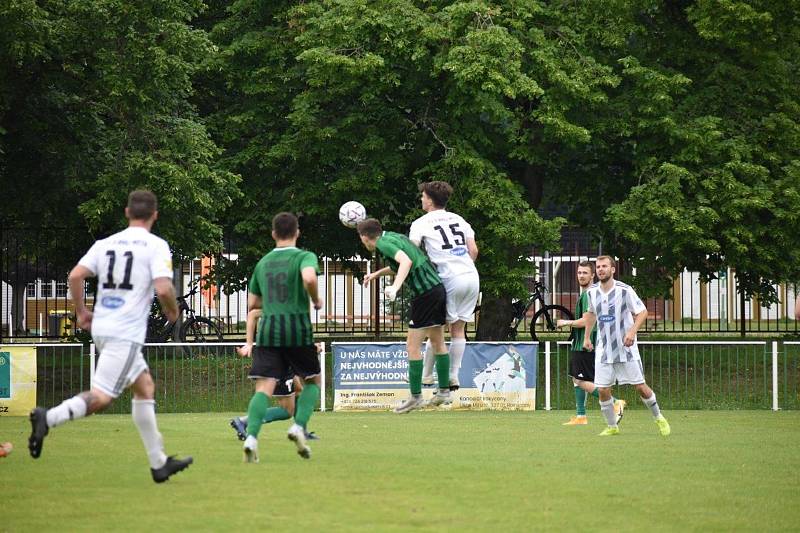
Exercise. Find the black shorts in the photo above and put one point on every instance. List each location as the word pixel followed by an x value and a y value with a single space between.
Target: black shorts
pixel 581 365
pixel 429 309
pixel 285 386
pixel 283 363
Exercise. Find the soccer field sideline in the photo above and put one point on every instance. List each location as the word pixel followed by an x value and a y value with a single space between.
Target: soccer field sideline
pixel 422 471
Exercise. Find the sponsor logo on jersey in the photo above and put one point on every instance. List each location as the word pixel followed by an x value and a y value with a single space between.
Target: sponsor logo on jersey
pixel 458 250
pixel 606 318
pixel 112 302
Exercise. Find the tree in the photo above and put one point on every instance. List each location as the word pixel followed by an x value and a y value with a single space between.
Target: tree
pixel 719 165
pixel 94 102
pixel 330 101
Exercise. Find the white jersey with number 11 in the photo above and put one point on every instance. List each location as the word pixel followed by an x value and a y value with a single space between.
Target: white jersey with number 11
pixel 126 264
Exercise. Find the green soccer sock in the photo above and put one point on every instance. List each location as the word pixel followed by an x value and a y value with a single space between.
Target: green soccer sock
pixel 305 404
pixel 255 413
pixel 415 376
pixel 595 393
pixel 580 401
pixel 443 370
pixel 275 413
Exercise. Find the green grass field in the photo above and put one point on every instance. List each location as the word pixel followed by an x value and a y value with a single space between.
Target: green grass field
pixel 475 471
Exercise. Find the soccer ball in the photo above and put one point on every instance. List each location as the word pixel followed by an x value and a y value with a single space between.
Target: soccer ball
pixel 351 213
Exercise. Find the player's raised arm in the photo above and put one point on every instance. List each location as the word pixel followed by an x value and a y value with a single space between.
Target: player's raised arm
pixel 402 273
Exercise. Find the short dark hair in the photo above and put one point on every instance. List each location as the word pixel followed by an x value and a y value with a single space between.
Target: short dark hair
pixel 438 191
pixel 284 225
pixel 608 258
pixel 370 228
pixel 587 264
pixel 142 204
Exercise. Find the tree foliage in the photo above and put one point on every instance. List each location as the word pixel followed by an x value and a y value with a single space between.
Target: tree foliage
pixel 94 102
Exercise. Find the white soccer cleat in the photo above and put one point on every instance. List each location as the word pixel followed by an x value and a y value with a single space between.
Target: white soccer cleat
pixel 410 404
pixel 297 435
pixel 250 450
pixel 441 398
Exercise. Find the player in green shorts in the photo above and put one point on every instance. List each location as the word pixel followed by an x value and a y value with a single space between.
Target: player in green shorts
pixel 428 313
pixel 581 361
pixel 282 284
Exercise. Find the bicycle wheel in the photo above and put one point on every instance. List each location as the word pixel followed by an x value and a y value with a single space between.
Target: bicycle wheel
pixel 546 319
pixel 200 329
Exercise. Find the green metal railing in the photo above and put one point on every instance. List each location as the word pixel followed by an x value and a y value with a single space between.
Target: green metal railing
pixel 689 375
pixel 684 375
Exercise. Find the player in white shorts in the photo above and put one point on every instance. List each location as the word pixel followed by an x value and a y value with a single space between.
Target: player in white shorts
pixel 129 266
pixel 449 241
pixel 619 313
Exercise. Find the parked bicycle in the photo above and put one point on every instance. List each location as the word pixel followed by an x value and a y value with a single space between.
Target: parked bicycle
pixel 549 315
pixel 194 328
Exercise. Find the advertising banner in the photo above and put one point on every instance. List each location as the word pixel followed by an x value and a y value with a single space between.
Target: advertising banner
pixel 374 376
pixel 17 380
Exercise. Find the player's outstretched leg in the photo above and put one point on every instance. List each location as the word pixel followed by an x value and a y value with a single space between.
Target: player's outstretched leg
pixel 649 399
pixel 239 425
pixel 172 466
pixel 39 431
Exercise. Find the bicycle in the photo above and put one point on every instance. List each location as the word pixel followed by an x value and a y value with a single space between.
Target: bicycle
pixel 551 313
pixel 195 328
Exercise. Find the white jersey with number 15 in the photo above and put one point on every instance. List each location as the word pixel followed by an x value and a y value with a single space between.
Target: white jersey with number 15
pixel 443 235
pixel 126 264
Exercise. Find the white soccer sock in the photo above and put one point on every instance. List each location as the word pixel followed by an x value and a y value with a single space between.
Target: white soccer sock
pixel 607 408
pixel 457 347
pixel 67 410
pixel 428 361
pixel 653 405
pixel 144 416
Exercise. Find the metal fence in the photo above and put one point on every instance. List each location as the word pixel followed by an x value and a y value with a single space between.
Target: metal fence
pixel 695 375
pixel 685 375
pixel 35 303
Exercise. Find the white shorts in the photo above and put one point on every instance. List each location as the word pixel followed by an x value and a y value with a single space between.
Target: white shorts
pixel 462 296
pixel 627 373
pixel 119 364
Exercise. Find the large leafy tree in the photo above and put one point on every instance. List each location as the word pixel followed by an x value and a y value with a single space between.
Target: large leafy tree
pixel 94 102
pixel 323 102
pixel 717 163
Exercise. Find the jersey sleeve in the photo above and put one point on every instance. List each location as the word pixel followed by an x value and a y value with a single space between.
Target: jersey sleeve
pixel 635 303
pixel 161 262
pixel 387 247
pixel 416 233
pixel 589 302
pixel 254 286
pixel 90 260
pixel 309 260
pixel 469 233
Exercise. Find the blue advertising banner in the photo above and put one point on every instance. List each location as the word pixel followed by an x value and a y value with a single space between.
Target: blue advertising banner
pixel 498 376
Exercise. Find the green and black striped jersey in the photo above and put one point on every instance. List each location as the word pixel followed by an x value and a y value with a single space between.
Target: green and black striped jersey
pixel 423 276
pixel 285 305
pixel 578 333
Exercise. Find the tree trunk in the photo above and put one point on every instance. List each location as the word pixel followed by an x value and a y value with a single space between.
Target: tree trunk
pixel 495 318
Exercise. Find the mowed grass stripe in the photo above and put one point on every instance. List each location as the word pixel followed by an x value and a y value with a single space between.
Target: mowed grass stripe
pixel 421 471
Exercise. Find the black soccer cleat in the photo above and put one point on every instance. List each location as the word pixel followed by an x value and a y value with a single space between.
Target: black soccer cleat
pixel 311 436
pixel 240 428
pixel 39 430
pixel 172 466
